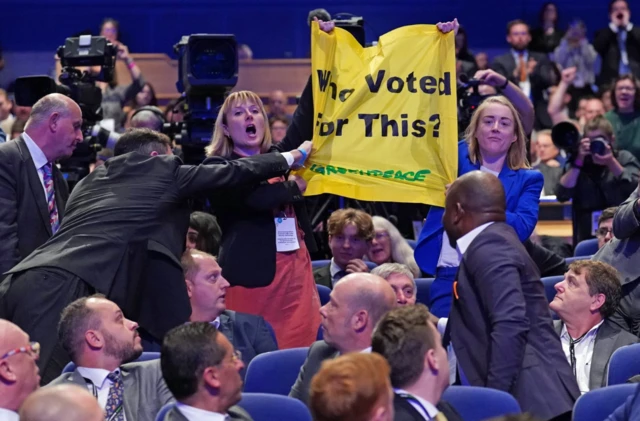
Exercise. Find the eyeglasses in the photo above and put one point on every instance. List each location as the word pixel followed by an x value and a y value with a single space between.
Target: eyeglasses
pixel 380 235
pixel 602 232
pixel 33 349
pixel 237 356
pixel 625 88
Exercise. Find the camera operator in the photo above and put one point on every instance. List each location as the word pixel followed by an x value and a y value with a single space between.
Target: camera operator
pixel 598 177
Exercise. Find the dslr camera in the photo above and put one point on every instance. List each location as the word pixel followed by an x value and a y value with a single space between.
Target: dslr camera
pixel 566 136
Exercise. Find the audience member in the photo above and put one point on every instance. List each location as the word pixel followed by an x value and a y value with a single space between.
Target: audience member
pixel 482 61
pixel 500 325
pixel 618 44
pixel 356 304
pixel 576 51
pixel 66 402
pixel 207 288
pixel 401 280
pixel 33 192
pixel 549 162
pixel 16 128
pixel 351 232
pixel 146 97
pixel 278 106
pixel 123 236
pixel 102 342
pixel 18 370
pixel 6 118
pixel 110 29
pixel 245 52
pixel 102 156
pixel 605 96
pixel 411 344
pixel 588 295
pixel 465 62
pixel 202 371
pixel 625 117
pixel 547 36
pixel 148 117
pixel 353 387
pixel 589 107
pixel 320 14
pixel 595 182
pixel 175 110
pixel 604 233
pixel 204 233
pixel 388 246
pixel 278 126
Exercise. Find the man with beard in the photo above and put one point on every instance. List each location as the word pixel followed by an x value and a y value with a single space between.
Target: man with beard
pixel 100 341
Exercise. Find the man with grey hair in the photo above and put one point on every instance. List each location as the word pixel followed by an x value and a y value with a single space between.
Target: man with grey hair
pixel 148 117
pixel 401 280
pixel 356 303
pixel 33 192
pixel 65 402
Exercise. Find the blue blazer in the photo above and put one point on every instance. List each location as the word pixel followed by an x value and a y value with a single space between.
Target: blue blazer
pixel 522 189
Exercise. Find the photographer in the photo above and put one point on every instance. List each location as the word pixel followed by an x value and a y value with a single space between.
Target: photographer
pixel 599 177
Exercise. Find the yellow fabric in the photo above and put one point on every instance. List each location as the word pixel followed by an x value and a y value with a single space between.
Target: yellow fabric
pixel 409 78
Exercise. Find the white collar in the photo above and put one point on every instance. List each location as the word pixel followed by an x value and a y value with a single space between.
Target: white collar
pixel 38 157
pixel 196 414
pixel 97 375
pixel 334 268
pixel 8 415
pixel 464 242
pixel 428 406
pixel 366 351
pixel 216 322
pixel 565 335
pixel 615 28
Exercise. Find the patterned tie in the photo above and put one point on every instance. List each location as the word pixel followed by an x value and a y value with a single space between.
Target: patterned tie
pixel 440 417
pixel 51 197
pixel 114 409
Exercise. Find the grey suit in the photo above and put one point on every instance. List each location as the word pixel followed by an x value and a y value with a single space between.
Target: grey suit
pixel 234 413
pixel 318 352
pixel 145 391
pixel 609 338
pixel 622 252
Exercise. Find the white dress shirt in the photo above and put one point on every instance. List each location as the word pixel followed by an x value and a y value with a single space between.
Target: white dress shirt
pixel 7 415
pixel 334 269
pixel 432 411
pixel 216 322
pixel 39 159
pixel 197 414
pixel 465 241
pixel 98 384
pixel 583 352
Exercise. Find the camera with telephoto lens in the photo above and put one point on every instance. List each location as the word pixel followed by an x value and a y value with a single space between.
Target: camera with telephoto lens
pixel 468 100
pixel 566 136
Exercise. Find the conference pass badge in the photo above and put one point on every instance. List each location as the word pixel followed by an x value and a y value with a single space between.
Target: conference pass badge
pixel 286 234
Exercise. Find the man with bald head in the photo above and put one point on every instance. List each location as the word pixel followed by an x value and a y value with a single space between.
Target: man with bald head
pixel 61 403
pixel 33 192
pixel 355 305
pixel 500 326
pixel 18 370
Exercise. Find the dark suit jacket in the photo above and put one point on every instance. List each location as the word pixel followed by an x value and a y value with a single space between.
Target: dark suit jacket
pixel 501 327
pixel 112 214
pixel 609 338
pixel 318 352
pixel 404 411
pixel 24 214
pixel 322 276
pixel 234 413
pixel 605 43
pixel 145 391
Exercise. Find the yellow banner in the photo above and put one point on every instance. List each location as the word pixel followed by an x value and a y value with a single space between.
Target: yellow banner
pixel 386 124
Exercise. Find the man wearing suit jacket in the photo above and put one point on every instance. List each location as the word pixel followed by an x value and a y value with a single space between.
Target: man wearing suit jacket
pixel 500 325
pixel 356 304
pixel 100 340
pixel 588 295
pixel 136 201
pixel 31 209
pixel 412 345
pixel 622 252
pixel 207 288
pixel 202 370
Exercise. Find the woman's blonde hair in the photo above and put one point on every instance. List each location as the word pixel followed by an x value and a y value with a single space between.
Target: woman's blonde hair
pixel 401 251
pixel 517 153
pixel 221 144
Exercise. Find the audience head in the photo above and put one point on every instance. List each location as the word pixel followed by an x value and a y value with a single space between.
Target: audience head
pixel 350 233
pixel 244 52
pixel 206 286
pixel 277 103
pixel 18 370
pixel 549 13
pixel 410 342
pixel 143 141
pixel 590 292
pixel 495 130
pixel 175 110
pixel 110 29
pixel 321 14
pixel 546 149
pixel 401 280
pixel 619 12
pixel 576 31
pixel 593 108
pixel 473 199
pixel 204 233
pixel 241 127
pixel 5 105
pixel 461 41
pixel 63 402
pixel 147 96
pixel 278 126
pixel 518 35
pixel 17 128
pixel 482 61
pixel 201 368
pixel 605 96
pixel 355 305
pixel 388 246
pixel 604 233
pixel 95 334
pixel 55 125
pixel 625 94
pixel 149 117
pixel 352 387
pixel 599 127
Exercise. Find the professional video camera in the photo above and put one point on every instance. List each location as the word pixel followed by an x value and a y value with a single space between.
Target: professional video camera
pixel 207 71
pixel 468 100
pixel 83 51
pixel 566 136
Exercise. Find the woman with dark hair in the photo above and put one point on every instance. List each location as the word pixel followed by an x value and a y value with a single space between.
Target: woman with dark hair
pixel 204 233
pixel 547 36
pixel 625 116
pixel 110 29
pixel 465 62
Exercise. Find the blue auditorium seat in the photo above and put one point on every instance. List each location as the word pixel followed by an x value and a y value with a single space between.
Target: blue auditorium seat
pixel 586 248
pixel 480 403
pixel 274 372
pixel 423 286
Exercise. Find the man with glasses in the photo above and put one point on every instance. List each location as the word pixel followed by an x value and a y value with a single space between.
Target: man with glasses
pixel 604 233
pixel 18 370
pixel 202 370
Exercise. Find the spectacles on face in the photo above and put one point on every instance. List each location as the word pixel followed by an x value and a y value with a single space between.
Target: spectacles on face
pixel 380 235
pixel 33 349
pixel 625 88
pixel 602 232
pixel 237 356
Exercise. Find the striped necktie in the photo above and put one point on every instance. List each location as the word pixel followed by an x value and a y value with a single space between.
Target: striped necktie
pixel 51 197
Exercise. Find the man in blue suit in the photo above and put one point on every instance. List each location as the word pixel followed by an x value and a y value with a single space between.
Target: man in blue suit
pixel 207 288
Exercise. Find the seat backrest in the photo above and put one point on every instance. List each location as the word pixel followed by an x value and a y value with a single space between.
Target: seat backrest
pixel 324 293
pixel 266 407
pixel 624 364
pixel 272 332
pixel 163 411
pixel 316 264
pixel 480 403
pixel 598 404
pixel 570 260
pixel 586 248
pixel 423 287
pixel 274 372
pixel 549 286
pixel 145 356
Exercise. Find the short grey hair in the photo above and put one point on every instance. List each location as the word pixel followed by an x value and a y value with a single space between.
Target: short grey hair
pixel 387 269
pixel 47 105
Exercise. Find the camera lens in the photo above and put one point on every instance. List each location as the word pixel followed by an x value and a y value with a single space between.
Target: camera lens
pixel 598 146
